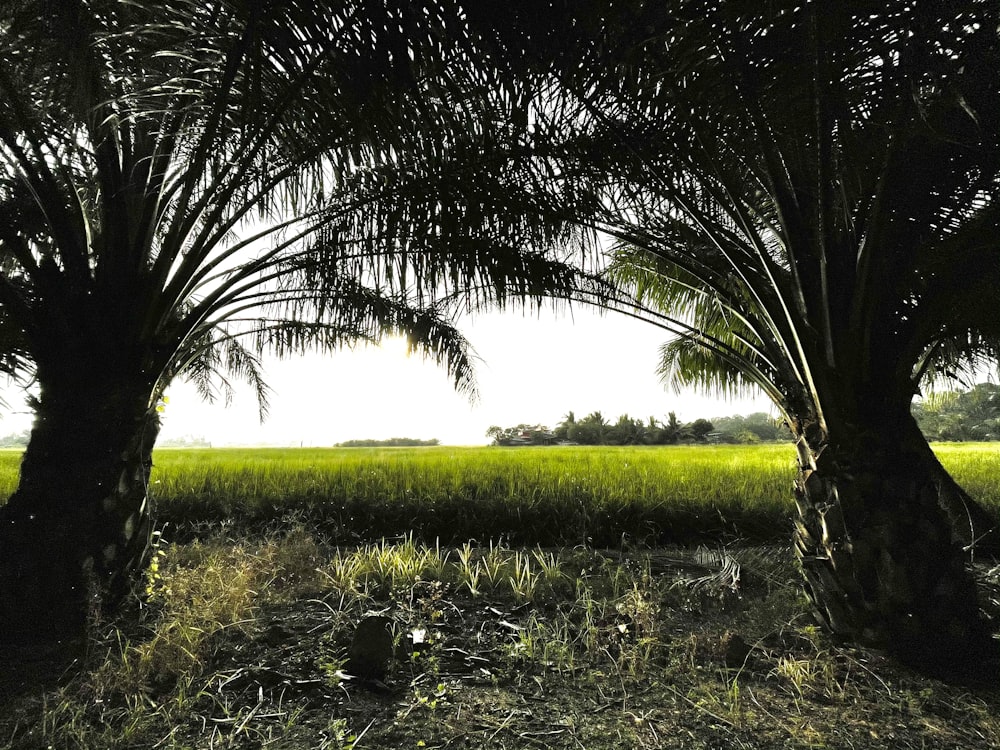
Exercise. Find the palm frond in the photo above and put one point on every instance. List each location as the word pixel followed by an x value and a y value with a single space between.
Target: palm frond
pixel 800 176
pixel 212 363
pixel 251 171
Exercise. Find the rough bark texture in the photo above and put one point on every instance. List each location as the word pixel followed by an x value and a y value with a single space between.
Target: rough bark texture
pixel 883 536
pixel 78 527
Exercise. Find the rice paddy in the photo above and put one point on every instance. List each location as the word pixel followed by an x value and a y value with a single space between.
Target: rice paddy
pixel 560 495
pixel 600 496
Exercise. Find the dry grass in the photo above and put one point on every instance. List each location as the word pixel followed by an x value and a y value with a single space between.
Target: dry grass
pixel 241 643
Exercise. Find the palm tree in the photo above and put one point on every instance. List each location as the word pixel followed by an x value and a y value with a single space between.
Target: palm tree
pixel 627 431
pixel 186 185
pixel 562 429
pixel 596 426
pixel 806 195
pixel 672 428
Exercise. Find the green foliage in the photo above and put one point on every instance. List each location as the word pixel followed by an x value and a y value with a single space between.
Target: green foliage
pixel 699 429
pixel 390 443
pixel 594 429
pixel 751 428
pixel 960 415
pixel 591 430
pixel 15 440
pixel 627 431
pixel 522 434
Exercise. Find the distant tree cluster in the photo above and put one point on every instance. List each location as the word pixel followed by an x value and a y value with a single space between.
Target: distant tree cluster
pixel 15 440
pixel 390 443
pixel 759 427
pixel 972 415
pixel 187 441
pixel 594 429
pixel 961 415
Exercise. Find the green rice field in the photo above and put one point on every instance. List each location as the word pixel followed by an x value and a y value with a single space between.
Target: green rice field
pixel 553 495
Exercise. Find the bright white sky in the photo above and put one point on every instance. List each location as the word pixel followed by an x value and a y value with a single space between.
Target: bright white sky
pixel 534 369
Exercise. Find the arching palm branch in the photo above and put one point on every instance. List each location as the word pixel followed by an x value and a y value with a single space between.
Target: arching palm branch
pixel 185 185
pixel 806 194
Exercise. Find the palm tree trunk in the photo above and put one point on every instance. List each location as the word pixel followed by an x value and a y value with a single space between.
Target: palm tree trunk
pixel 78 526
pixel 884 538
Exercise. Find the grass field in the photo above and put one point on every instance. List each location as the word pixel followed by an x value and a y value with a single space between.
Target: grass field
pixel 553 495
pixel 567 495
pixel 243 633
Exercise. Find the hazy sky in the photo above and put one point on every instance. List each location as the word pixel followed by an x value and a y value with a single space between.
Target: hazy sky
pixel 534 369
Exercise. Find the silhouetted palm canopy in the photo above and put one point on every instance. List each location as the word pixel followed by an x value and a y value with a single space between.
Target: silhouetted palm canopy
pixel 799 189
pixel 186 184
pixel 197 161
pixel 805 192
pixel 807 195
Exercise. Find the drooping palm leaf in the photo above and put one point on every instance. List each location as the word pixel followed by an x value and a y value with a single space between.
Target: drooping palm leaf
pixel 806 194
pixel 308 172
pixel 818 180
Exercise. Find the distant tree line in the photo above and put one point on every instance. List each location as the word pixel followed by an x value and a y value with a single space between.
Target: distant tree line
pixel 187 441
pixel 595 429
pixel 972 415
pixel 961 415
pixel 390 443
pixel 15 440
pixel 759 427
